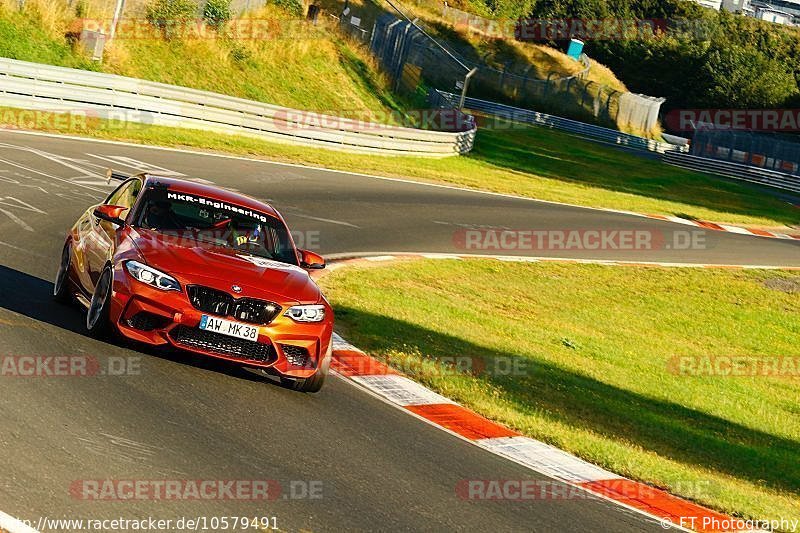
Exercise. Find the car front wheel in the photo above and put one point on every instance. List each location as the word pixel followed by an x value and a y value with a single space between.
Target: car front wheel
pixel 98 320
pixel 312 384
pixel 62 290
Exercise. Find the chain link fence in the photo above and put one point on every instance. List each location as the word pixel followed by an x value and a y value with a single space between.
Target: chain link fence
pixel 761 150
pixel 410 58
pixel 352 25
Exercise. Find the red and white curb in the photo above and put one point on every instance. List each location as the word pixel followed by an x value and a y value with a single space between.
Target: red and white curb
pixel 396 389
pixel 402 392
pixel 723 227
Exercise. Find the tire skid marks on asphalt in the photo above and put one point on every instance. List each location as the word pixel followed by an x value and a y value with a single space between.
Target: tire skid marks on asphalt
pixel 90 178
pixel 43 186
pixel 137 165
pixel 120 448
pixel 86 178
pixel 77 181
pixel 10 201
pixel 91 175
pixel 15 219
pixel 20 249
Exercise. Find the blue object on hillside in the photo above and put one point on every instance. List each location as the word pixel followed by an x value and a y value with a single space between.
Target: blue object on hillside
pixel 575 49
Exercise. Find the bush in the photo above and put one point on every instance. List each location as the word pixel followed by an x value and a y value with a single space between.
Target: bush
pixel 240 54
pixel 172 17
pixel 81 9
pixel 217 12
pixel 293 7
pixel 734 61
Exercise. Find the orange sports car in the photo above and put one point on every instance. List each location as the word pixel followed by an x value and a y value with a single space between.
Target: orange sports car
pixel 170 262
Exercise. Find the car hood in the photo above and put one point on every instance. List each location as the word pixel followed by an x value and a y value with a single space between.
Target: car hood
pixel 200 263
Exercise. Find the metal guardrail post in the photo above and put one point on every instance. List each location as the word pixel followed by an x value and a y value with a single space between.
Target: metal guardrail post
pixel 464 89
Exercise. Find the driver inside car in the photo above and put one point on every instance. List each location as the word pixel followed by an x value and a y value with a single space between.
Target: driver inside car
pixel 161 216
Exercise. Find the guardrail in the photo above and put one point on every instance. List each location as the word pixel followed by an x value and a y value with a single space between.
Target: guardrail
pixel 58 89
pixel 770 178
pixel 589 131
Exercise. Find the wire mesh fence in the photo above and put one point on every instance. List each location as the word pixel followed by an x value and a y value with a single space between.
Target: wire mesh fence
pixel 410 58
pixel 755 149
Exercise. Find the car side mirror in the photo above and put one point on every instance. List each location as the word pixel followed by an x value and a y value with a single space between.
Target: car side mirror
pixel 310 260
pixel 110 213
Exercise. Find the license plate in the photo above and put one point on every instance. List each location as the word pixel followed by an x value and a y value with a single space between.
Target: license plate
pixel 229 327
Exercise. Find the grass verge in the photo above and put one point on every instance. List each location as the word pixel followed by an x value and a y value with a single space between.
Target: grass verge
pixel 526 161
pixel 597 349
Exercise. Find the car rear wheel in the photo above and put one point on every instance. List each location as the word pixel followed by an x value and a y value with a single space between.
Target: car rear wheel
pixel 312 384
pixel 62 288
pixel 98 320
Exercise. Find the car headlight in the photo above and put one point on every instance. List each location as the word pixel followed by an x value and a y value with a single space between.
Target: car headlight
pixel 306 313
pixel 151 276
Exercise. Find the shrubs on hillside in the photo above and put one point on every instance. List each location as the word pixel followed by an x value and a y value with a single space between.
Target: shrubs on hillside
pixel 175 18
pixel 734 61
pixel 217 12
pixel 739 63
pixel 292 7
pixel 171 16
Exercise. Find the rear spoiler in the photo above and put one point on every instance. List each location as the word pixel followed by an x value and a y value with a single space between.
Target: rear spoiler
pixel 111 175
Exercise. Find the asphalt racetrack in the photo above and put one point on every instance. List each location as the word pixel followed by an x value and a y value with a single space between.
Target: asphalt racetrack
pixel 343 458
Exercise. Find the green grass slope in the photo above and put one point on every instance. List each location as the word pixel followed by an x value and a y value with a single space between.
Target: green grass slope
pixel 597 347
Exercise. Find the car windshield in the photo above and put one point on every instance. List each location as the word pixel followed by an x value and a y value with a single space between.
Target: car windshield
pixel 216 223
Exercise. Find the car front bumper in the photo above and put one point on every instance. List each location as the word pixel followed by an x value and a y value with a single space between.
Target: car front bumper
pixel 161 318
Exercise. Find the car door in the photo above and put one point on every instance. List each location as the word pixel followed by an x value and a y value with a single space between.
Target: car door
pixel 101 239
